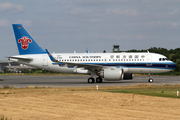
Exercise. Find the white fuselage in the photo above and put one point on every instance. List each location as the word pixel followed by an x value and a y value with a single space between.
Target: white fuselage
pixel 130 62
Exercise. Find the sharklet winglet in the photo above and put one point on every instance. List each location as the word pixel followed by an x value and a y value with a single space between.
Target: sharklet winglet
pixel 50 56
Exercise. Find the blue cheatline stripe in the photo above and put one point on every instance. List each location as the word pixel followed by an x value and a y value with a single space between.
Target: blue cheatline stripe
pixel 126 63
pixel 170 65
pixel 153 67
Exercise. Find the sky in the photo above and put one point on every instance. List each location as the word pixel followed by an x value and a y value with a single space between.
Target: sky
pixel 65 26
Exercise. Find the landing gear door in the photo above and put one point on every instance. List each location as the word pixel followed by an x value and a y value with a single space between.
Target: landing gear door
pixel 45 61
pixel 149 60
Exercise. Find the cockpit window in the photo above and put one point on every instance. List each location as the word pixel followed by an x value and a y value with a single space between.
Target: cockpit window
pixel 163 59
pixel 167 59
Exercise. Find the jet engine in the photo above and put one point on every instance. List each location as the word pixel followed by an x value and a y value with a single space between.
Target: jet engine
pixel 112 74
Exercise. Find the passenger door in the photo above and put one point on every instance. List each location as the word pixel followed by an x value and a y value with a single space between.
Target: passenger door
pixel 45 61
pixel 149 60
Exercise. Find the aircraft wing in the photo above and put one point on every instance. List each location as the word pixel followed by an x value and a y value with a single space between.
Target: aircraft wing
pixel 77 65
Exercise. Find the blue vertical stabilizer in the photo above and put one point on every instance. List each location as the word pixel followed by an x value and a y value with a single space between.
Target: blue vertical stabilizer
pixel 25 43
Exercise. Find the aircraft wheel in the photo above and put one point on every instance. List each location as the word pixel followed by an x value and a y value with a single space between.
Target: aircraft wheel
pixel 99 80
pixel 150 80
pixel 91 80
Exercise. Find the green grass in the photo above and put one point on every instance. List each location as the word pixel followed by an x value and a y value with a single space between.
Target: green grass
pixel 1 79
pixel 2 117
pixel 159 91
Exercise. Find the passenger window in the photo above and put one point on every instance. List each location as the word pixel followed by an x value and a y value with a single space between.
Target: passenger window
pixel 159 59
pixel 163 59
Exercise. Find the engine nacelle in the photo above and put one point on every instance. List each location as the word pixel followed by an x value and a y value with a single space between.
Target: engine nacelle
pixel 112 74
pixel 81 71
pixel 128 76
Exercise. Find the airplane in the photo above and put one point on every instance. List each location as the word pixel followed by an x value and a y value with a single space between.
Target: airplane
pixel 106 66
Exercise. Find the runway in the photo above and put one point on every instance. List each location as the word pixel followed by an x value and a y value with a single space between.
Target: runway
pixel 79 81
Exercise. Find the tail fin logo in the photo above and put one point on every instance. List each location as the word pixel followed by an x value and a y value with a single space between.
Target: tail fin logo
pixel 24 42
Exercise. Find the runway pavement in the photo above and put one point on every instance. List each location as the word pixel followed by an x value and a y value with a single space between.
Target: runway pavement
pixel 79 81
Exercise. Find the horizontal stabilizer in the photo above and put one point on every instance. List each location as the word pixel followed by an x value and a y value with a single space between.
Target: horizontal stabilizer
pixel 20 58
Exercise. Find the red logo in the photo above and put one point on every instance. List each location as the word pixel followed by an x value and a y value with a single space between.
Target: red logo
pixel 24 42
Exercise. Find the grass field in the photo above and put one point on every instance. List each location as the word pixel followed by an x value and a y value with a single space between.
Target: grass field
pixel 151 90
pixel 39 103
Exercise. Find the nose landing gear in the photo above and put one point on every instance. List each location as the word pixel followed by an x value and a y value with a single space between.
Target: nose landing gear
pixel 150 78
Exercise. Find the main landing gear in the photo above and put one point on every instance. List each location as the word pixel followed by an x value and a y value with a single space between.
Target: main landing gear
pixel 91 80
pixel 98 80
pixel 150 78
